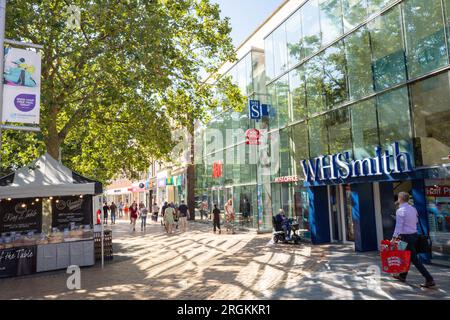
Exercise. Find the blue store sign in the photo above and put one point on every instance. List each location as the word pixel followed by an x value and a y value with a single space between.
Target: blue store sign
pixel 339 166
pixel 257 110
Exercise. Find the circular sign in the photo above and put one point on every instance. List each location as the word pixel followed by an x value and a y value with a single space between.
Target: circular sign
pixel 25 102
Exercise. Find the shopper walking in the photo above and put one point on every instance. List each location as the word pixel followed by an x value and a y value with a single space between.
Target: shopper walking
pixel 175 214
pixel 230 215
pixel 143 215
pixel 120 206
pixel 134 215
pixel 132 205
pixel 126 209
pixel 216 218
pixel 406 230
pixel 204 209
pixel 113 209
pixel 155 211
pixel 184 215
pixel 163 211
pixel 168 219
pixel 105 213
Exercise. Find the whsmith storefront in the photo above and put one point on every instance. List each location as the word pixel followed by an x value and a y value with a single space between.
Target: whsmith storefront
pixel 364 84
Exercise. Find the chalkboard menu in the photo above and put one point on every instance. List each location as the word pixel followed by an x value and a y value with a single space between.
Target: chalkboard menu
pixel 71 209
pixel 18 261
pixel 20 215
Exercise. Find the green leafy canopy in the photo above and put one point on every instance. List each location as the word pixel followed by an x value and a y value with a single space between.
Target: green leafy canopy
pixel 114 88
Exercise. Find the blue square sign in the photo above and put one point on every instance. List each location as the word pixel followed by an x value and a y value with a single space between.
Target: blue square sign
pixel 254 109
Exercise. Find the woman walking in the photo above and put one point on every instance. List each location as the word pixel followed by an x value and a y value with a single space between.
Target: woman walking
pixel 126 209
pixel 168 218
pixel 133 215
pixel 143 214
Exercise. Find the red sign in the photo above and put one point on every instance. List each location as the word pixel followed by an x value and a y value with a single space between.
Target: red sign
pixel 217 169
pixel 252 136
pixel 136 189
pixel 438 191
pixel 287 179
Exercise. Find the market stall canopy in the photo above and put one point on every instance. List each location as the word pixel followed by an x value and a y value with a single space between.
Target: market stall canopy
pixel 46 177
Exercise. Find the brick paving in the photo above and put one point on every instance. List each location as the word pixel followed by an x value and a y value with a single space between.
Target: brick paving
pixel 202 265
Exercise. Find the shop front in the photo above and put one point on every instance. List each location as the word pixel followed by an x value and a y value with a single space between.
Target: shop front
pixel 353 201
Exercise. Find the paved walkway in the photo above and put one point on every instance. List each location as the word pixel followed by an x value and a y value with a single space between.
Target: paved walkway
pixel 203 265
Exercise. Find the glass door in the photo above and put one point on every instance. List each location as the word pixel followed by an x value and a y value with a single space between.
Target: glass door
pixel 335 209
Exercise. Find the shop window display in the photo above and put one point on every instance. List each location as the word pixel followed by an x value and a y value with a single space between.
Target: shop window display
pixel 438 209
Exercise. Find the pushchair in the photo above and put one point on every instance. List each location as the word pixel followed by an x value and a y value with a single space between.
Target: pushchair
pixel 280 235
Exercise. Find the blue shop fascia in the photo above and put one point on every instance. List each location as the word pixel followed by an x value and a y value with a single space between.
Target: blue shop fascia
pixel 354 200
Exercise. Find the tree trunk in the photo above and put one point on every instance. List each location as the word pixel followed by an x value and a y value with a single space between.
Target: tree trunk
pixel 52 140
pixel 190 175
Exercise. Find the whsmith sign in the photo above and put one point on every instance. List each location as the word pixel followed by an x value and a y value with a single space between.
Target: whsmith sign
pixel 340 166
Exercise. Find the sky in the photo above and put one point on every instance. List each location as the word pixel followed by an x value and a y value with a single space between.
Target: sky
pixel 246 15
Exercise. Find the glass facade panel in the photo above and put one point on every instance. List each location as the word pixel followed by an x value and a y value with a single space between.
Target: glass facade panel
pixel 294 37
pixel 335 79
pixel 297 90
pixel 425 36
pixel 249 74
pixel 315 95
pixel 242 76
pixel 300 146
pixel 269 57
pixel 285 163
pixel 282 112
pixel 330 20
pixel 431 107
pixel 318 137
pixel 394 120
pixel 339 135
pixel 354 12
pixel 258 72
pixel 360 77
pixel 364 128
pixel 389 64
pixel 311 39
pixel 377 5
pixel 280 50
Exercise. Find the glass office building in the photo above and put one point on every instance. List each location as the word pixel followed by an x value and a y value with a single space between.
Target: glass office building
pixel 347 76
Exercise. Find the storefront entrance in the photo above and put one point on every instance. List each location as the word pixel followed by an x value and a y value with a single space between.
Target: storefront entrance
pixel 341 220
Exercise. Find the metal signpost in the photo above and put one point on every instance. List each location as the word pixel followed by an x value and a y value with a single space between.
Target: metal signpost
pixel 2 60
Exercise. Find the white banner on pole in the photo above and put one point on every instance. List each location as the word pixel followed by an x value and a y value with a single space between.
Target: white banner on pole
pixel 21 90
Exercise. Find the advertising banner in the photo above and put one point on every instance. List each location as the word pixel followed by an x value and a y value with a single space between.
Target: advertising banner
pixel 21 89
pixel 20 215
pixel 71 210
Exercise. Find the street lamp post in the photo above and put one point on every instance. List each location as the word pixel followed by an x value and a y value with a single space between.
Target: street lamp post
pixel 2 58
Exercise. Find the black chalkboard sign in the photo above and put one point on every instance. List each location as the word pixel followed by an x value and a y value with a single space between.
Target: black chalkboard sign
pixel 71 209
pixel 17 261
pixel 20 215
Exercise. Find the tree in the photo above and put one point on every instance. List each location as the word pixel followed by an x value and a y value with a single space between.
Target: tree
pixel 114 86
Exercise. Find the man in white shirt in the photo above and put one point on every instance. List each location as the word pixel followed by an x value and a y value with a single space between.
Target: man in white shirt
pixel 406 230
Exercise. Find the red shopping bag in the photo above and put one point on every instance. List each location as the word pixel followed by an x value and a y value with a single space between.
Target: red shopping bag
pixel 392 259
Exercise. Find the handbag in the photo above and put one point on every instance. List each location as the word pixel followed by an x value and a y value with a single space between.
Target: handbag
pixel 423 243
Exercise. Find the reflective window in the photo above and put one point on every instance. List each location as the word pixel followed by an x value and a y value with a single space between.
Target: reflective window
pixel 394 118
pixel 335 80
pixel 272 93
pixel 311 27
pixel 315 96
pixel 259 84
pixel 242 76
pixel 387 49
pixel 339 135
pixel 268 48
pixel 364 128
pixel 285 163
pixel 294 37
pixel 280 50
pixel 318 137
pixel 297 91
pixel 354 12
pixel 431 107
pixel 282 101
pixel 377 5
pixel 248 74
pixel 300 145
pixel 425 36
pixel 360 77
pixel 330 20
